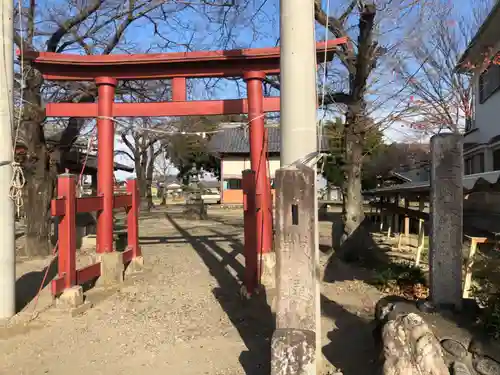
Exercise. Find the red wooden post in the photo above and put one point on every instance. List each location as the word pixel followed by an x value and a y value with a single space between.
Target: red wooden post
pixel 258 160
pixel 133 219
pixel 105 162
pixel 249 217
pixel 66 188
pixel 179 89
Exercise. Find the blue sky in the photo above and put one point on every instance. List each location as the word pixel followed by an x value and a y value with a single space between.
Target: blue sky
pixel 254 26
pixel 263 30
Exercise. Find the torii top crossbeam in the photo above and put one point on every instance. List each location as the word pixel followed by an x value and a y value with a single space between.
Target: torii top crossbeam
pixel 251 64
pixel 200 64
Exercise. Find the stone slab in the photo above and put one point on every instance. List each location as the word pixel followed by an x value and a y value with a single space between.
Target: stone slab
pixel 71 297
pixel 112 269
pixel 136 265
pixel 293 352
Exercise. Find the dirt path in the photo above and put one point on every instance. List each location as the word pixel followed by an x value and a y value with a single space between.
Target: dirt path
pixel 184 315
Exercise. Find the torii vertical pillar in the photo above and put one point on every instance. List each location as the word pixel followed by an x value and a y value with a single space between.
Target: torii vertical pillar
pixel 179 93
pixel 105 162
pixel 258 162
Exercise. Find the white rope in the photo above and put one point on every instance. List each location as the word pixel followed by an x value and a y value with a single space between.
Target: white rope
pixel 16 186
pixel 202 134
pixel 18 179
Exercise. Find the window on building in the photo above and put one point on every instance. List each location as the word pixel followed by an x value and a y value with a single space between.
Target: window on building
pixel 481 162
pixel 496 160
pixel 474 164
pixel 233 184
pixel 468 166
pixel 489 82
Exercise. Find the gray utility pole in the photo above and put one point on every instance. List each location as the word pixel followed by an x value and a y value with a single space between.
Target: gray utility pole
pixel 7 223
pixel 298 80
pixel 298 111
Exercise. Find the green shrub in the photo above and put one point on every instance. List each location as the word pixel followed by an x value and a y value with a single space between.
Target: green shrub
pixel 486 290
pixel 401 274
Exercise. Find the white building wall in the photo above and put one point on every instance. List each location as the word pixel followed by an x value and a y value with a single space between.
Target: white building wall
pixel 487 123
pixel 487 114
pixel 234 165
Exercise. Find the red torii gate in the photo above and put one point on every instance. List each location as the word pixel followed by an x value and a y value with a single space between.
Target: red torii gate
pixel 105 70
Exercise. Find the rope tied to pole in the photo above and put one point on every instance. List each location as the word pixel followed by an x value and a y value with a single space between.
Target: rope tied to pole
pixel 16 186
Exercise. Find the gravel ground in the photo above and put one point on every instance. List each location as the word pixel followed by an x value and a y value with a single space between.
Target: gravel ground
pixel 183 315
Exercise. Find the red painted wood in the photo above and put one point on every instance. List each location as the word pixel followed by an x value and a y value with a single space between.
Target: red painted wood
pixel 162 109
pixel 57 286
pixel 258 160
pixel 122 201
pixel 66 187
pixel 179 93
pixel 105 162
pixel 88 273
pixel 133 219
pixel 57 206
pixel 249 218
pixel 128 255
pixel 66 67
pixel 83 275
pixel 88 204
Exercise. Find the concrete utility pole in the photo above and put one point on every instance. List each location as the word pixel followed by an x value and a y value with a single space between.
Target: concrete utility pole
pixel 7 223
pixel 298 80
pixel 298 141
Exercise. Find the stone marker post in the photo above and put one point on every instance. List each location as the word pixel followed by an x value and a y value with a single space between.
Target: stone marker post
pixel 293 346
pixel 446 215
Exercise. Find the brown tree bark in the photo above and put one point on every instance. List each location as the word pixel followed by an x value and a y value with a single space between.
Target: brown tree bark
pixel 144 156
pixel 41 165
pixel 359 63
pixel 149 176
pixel 39 170
pixel 140 172
pixel 353 212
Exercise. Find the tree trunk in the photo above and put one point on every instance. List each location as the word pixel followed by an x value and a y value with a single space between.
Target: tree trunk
pixel 149 176
pixel 353 214
pixel 40 172
pixel 152 155
pixel 140 172
pixel 143 188
pixel 38 192
pixel 354 239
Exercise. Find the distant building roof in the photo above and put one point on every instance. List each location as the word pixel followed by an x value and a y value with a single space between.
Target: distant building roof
pixel 172 180
pixel 235 140
pixel 167 179
pixel 209 184
pixel 470 183
pixel 54 139
pixel 76 159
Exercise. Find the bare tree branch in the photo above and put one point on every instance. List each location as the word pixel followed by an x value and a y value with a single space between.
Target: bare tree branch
pixel 54 40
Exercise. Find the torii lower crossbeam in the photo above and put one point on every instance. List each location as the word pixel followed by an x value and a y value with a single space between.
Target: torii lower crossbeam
pixel 161 109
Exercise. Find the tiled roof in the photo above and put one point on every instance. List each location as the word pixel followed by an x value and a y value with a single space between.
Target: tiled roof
pixel 54 138
pixel 209 184
pixel 91 161
pixel 234 140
